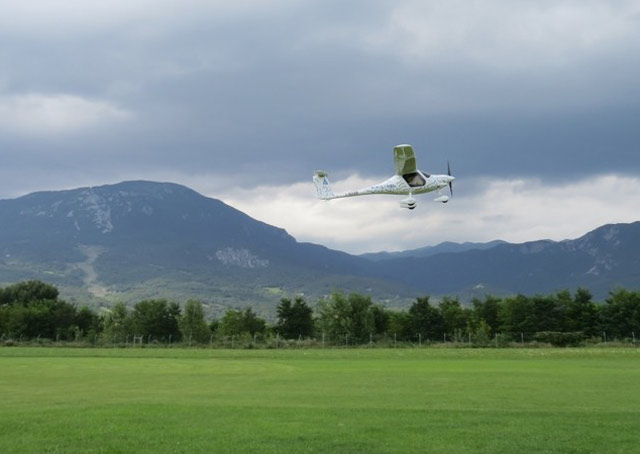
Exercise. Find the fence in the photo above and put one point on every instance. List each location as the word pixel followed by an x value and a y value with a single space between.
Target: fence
pixel 323 340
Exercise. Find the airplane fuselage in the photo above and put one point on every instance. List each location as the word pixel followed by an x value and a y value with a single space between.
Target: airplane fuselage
pixel 398 185
pixel 408 180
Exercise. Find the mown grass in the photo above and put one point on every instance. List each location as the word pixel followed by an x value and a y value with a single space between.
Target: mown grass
pixel 340 401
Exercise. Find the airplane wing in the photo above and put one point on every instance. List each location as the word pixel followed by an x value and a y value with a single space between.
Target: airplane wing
pixel 404 159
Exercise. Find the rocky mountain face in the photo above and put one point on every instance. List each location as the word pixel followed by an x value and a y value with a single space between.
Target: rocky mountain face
pixel 136 240
pixel 143 239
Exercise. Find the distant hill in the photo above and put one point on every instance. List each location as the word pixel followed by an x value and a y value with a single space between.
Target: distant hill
pixel 428 251
pixel 140 239
pixel 600 260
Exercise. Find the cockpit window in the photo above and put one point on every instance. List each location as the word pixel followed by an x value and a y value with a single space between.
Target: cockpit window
pixel 414 179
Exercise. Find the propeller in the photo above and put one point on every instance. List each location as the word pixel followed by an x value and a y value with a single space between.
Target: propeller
pixel 450 183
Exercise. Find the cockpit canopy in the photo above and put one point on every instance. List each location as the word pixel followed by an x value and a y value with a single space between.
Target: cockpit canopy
pixel 415 179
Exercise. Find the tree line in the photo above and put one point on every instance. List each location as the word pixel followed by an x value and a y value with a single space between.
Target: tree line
pixel 33 310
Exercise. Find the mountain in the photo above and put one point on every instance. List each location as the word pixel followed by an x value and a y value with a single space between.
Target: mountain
pixel 428 251
pixel 141 239
pixel 599 261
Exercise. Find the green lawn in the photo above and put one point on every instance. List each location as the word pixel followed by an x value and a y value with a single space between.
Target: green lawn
pixel 57 400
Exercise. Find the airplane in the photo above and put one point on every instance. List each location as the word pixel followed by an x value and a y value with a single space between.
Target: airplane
pixel 408 180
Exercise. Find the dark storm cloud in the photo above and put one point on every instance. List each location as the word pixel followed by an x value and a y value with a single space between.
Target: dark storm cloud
pixel 278 89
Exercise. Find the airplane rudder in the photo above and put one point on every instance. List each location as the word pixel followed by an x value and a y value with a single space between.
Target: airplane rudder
pixel 321 182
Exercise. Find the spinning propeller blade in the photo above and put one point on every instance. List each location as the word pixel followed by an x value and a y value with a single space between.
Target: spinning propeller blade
pixel 450 183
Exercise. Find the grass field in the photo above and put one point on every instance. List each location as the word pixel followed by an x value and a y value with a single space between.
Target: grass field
pixel 64 400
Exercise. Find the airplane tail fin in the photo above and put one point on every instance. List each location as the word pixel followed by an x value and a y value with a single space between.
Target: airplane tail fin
pixel 323 188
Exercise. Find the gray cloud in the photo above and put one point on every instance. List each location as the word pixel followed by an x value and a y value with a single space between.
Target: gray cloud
pixel 277 89
pixel 515 210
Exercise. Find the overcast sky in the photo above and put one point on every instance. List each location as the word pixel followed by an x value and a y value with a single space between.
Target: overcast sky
pixel 536 104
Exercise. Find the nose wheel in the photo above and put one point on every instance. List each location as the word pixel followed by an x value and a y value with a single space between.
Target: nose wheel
pixel 441 198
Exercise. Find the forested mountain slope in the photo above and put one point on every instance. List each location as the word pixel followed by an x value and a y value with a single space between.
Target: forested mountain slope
pixel 139 239
pixel 142 239
pixel 599 261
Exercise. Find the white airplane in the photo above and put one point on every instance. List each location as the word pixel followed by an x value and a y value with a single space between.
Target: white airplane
pixel 408 180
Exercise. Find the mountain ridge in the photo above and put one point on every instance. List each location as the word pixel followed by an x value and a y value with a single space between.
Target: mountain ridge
pixel 426 251
pixel 140 239
pixel 600 260
pixel 145 239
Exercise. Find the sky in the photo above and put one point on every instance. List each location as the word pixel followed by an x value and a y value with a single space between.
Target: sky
pixel 535 104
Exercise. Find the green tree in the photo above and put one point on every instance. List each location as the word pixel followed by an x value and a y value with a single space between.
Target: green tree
pixel 214 324
pixel 426 320
pixel 517 316
pixel 350 318
pixel 400 326
pixel 487 311
pixel 581 314
pixel 237 322
pixel 381 319
pixel 156 319
pixel 118 324
pixel 620 316
pixel 32 309
pixel 192 323
pixel 62 317
pixel 525 316
pixel 455 319
pixel 86 321
pixel 52 319
pixel 294 319
pixel 27 292
pixel 362 317
pixel 482 334
pixel 548 313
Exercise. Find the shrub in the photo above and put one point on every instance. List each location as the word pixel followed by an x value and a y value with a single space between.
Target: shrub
pixel 560 339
